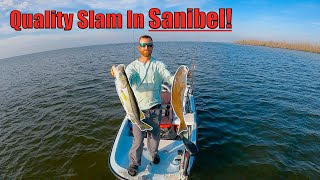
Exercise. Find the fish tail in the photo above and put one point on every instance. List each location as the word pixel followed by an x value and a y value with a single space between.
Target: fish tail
pixel 182 127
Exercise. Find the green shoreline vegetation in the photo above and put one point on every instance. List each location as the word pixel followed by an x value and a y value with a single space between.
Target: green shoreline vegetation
pixel 308 47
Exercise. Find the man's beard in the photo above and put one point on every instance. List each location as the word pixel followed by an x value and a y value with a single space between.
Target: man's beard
pixel 146 53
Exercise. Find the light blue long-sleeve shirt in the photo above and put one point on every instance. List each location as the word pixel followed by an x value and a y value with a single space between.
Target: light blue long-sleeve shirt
pixel 146 79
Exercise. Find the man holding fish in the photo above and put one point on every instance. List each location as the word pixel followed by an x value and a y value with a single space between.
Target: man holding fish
pixel 143 100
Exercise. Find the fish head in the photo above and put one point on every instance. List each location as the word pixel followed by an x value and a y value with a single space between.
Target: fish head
pixel 186 69
pixel 181 74
pixel 120 74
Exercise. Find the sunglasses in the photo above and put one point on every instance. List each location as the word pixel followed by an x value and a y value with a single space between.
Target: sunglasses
pixel 146 44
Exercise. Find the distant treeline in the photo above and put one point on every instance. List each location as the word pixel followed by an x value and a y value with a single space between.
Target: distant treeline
pixel 285 45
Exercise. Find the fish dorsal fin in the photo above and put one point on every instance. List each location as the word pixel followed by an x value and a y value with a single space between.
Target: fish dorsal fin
pixel 142 115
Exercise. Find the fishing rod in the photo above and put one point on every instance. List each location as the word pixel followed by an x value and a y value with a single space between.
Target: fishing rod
pixel 191 149
pixel 133 40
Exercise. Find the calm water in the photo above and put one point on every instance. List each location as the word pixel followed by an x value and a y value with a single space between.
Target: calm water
pixel 258 111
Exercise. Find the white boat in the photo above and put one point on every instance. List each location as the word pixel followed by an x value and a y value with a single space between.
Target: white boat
pixel 177 153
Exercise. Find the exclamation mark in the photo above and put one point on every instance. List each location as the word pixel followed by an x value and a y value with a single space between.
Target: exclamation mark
pixel 229 18
pixel 221 15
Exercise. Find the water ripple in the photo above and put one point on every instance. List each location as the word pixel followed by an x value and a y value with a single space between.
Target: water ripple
pixel 258 111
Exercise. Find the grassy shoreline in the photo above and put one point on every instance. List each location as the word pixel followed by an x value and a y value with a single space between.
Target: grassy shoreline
pixel 308 47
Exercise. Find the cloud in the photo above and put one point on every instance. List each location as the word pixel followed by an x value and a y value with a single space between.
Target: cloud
pixel 316 23
pixel 30 43
pixel 6 5
pixel 6 30
pixel 119 5
pixel 40 5
pixel 32 6
pixel 22 5
pixel 184 4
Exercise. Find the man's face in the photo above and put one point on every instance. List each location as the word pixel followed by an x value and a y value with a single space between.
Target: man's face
pixel 145 51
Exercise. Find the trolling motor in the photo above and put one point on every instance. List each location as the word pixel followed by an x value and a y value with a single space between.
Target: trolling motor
pixel 190 147
pixel 190 150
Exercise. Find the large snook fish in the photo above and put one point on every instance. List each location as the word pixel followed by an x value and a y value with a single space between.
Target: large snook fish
pixel 177 95
pixel 127 98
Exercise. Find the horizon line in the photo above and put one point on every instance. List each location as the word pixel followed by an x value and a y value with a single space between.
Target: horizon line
pixel 83 46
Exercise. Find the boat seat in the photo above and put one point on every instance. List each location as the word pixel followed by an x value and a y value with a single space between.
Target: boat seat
pixel 167 112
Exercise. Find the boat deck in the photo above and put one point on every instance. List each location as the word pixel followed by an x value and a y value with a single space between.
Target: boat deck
pixel 168 168
pixel 168 152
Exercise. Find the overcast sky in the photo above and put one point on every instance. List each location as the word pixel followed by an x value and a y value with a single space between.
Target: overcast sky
pixel 289 20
